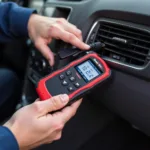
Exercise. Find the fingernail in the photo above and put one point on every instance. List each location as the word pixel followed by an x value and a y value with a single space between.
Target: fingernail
pixel 87 46
pixel 79 31
pixel 51 64
pixel 64 98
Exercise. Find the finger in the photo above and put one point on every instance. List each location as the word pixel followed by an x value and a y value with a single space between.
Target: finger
pixel 59 33
pixel 67 113
pixel 69 27
pixel 73 29
pixel 37 100
pixel 72 39
pixel 45 50
pixel 57 135
pixel 53 104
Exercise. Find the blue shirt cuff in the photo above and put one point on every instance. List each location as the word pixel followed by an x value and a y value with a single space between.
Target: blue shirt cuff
pixel 20 18
pixel 7 140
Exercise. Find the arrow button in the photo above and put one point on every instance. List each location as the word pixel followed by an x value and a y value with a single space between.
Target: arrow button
pixel 64 83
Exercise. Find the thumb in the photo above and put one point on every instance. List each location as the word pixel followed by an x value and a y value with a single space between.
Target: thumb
pixel 53 104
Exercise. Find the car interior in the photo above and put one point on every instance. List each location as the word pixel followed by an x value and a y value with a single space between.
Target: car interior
pixel 116 115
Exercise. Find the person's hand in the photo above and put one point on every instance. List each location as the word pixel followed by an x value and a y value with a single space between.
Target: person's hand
pixel 32 125
pixel 43 29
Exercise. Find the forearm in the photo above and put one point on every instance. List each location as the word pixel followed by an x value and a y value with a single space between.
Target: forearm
pixel 7 140
pixel 13 21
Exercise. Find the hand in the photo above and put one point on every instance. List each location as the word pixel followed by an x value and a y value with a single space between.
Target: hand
pixel 32 125
pixel 43 29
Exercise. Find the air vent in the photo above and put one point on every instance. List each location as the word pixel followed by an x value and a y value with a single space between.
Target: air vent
pixel 124 43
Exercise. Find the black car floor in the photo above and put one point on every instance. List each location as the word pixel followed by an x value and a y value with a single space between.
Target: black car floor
pixel 118 135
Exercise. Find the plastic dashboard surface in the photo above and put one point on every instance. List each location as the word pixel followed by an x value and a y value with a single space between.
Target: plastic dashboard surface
pixel 128 94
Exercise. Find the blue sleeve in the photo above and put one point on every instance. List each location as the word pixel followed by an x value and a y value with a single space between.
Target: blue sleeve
pixel 13 21
pixel 7 140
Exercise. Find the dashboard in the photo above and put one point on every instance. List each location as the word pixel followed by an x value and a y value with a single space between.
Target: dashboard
pixel 124 27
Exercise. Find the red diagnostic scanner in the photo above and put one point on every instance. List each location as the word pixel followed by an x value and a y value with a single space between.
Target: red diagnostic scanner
pixel 75 79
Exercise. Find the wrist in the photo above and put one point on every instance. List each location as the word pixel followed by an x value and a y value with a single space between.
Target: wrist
pixel 30 26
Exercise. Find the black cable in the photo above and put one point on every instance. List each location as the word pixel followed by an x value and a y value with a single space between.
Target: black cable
pixel 64 53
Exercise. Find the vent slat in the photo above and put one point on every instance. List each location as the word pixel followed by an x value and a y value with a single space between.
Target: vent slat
pixel 123 36
pixel 119 53
pixel 126 50
pixel 136 52
pixel 126 31
pixel 141 47
pixel 138 46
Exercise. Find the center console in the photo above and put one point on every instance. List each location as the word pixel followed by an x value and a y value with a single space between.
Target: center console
pixel 38 66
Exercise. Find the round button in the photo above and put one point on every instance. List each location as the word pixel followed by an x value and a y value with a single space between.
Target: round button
pixel 77 85
pixel 43 63
pixel 64 83
pixel 68 73
pixel 72 79
pixel 70 89
pixel 61 76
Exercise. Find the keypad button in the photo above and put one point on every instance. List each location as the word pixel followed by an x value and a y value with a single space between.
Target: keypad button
pixel 77 85
pixel 62 77
pixel 70 89
pixel 68 73
pixel 64 83
pixel 72 79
